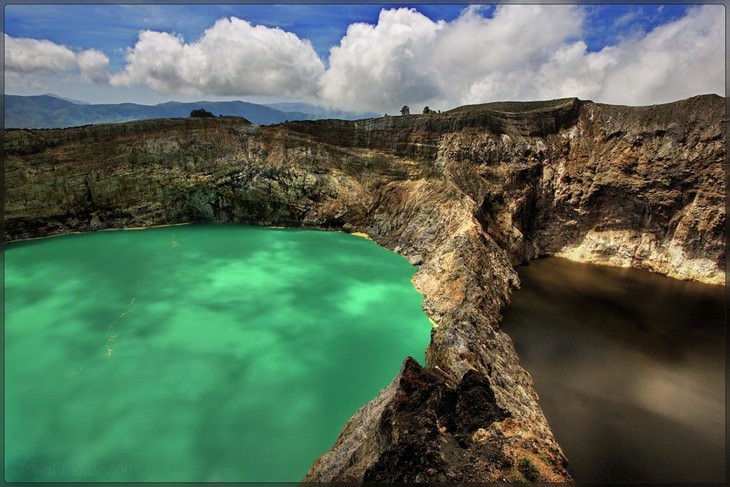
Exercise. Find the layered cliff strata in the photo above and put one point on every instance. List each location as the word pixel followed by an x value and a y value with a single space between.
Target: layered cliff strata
pixel 464 194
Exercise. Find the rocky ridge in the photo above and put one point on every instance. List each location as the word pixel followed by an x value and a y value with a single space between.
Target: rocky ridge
pixel 465 195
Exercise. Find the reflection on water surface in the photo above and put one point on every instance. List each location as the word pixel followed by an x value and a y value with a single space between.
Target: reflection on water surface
pixel 196 353
pixel 630 369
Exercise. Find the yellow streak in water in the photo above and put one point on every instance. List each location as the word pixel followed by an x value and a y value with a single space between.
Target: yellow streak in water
pixel 361 234
pixel 145 228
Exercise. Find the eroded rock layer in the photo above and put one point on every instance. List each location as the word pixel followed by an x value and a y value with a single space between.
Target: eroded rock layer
pixel 464 194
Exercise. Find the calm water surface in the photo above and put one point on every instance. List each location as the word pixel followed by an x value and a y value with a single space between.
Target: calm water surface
pixel 197 353
pixel 630 369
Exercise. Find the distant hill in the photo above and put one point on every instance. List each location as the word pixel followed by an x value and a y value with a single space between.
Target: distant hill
pixel 51 111
pixel 71 100
pixel 314 112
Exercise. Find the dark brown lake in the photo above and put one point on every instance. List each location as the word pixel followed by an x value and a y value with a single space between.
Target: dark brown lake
pixel 630 369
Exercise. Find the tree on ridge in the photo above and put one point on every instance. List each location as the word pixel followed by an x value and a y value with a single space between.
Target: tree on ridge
pixel 201 112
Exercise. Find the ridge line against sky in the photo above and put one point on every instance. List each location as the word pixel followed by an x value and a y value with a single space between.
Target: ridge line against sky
pixel 366 57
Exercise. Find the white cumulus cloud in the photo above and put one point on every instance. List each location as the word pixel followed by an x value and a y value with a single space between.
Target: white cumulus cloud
pixel 232 57
pixel 676 60
pixel 513 52
pixel 522 52
pixel 35 62
pixel 408 58
pixel 29 55
pixel 94 65
pixel 379 67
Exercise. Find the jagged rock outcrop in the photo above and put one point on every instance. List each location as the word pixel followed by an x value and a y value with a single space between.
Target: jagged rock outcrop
pixel 466 194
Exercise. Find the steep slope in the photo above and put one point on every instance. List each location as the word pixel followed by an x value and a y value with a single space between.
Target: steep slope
pixel 465 195
pixel 641 187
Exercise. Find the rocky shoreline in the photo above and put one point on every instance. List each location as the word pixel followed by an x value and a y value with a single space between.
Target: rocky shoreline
pixel 466 195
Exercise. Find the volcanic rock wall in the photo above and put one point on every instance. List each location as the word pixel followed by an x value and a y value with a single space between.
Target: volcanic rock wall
pixel 465 195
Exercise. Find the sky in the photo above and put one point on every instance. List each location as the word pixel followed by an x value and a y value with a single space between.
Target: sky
pixel 366 58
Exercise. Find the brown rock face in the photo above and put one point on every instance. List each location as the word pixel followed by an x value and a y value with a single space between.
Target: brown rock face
pixel 466 194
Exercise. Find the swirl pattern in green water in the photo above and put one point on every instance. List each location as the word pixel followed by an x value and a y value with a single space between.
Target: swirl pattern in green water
pixel 197 353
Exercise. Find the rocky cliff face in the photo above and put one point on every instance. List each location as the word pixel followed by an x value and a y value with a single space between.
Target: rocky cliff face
pixel 464 194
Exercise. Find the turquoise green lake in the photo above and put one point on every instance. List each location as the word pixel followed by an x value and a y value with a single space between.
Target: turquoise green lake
pixel 197 353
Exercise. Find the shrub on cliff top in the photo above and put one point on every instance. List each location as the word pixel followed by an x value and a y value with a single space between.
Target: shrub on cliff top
pixel 201 112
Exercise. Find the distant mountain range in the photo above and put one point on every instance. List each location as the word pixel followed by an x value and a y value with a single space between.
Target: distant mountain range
pixel 51 111
pixel 71 100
